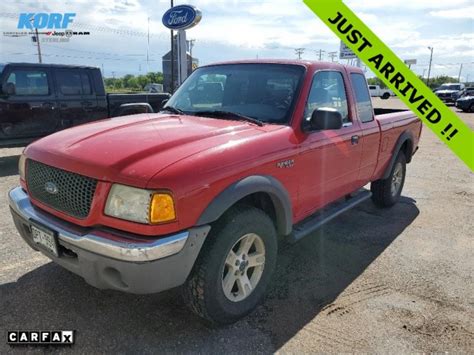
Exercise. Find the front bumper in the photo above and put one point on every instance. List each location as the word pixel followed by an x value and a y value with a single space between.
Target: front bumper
pixel 448 99
pixel 109 259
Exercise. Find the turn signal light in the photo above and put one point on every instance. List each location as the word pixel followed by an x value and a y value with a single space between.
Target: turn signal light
pixel 162 208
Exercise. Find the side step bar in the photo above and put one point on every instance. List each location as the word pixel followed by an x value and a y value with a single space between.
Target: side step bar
pixel 312 223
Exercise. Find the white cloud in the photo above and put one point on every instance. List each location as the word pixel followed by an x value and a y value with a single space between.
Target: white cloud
pixel 241 28
pixel 461 13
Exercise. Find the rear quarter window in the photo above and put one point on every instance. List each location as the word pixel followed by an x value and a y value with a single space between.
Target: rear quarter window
pixel 73 82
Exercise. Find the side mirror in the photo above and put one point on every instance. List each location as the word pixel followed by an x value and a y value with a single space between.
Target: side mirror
pixel 325 118
pixel 8 89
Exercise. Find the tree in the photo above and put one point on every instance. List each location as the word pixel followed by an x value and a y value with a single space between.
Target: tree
pixel 131 82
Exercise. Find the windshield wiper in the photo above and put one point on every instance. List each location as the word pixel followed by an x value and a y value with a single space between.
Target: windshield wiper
pixel 173 110
pixel 233 115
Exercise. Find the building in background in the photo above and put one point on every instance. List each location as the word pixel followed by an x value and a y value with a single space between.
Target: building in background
pixel 192 63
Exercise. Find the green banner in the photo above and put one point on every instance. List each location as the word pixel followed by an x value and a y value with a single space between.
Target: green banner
pixel 397 76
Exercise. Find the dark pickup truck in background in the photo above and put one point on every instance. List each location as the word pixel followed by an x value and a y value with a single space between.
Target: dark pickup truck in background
pixel 39 99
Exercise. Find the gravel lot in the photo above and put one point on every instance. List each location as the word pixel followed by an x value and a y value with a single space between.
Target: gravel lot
pixel 397 280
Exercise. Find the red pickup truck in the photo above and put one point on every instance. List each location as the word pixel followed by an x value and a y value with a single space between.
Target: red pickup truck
pixel 243 154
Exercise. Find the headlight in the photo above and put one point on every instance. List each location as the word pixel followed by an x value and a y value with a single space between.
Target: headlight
pixel 139 205
pixel 22 166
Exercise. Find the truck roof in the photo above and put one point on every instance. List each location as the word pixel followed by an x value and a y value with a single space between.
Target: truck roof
pixel 305 63
pixel 43 65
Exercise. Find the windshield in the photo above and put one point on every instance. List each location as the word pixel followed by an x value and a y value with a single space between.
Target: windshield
pixel 266 92
pixel 450 87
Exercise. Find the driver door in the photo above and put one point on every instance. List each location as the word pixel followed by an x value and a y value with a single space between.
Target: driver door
pixel 331 158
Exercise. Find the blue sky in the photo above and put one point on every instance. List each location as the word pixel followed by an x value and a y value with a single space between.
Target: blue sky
pixel 244 29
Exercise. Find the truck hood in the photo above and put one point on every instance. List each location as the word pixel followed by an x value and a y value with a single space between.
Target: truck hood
pixel 132 149
pixel 466 98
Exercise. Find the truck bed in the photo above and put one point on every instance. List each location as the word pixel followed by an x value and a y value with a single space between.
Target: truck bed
pixel 154 99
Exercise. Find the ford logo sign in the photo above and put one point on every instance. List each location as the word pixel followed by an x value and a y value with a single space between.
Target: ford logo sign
pixel 51 188
pixel 181 17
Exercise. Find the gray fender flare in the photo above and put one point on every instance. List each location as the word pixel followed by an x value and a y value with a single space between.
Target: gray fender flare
pixel 404 137
pixel 245 187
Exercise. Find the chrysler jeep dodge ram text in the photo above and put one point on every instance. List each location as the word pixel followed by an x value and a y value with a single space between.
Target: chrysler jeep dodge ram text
pixel 198 195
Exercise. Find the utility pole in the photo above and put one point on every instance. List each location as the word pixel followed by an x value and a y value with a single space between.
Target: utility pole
pixel 332 55
pixel 38 45
pixel 460 71
pixel 37 39
pixel 429 68
pixel 172 56
pixel 148 48
pixel 321 54
pixel 299 52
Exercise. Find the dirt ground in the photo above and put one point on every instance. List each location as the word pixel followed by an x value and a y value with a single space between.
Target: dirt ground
pixel 396 280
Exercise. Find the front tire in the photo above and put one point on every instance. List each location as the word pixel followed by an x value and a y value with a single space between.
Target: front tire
pixel 385 96
pixel 235 266
pixel 386 192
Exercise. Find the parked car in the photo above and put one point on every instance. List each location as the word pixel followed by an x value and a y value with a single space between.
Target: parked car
pixel 40 99
pixel 377 91
pixel 200 194
pixel 449 93
pixel 466 101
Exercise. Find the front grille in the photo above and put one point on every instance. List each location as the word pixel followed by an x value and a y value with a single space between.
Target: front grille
pixel 62 190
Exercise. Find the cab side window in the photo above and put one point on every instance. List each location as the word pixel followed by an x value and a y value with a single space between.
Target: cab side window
pixel 363 100
pixel 328 90
pixel 73 82
pixel 25 82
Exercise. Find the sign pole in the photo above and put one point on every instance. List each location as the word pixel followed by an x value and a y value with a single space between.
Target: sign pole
pixel 182 57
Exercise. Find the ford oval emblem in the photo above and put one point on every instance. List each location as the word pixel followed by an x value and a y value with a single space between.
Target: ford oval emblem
pixel 181 17
pixel 51 188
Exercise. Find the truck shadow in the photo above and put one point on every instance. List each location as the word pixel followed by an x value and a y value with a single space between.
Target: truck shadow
pixel 9 165
pixel 310 275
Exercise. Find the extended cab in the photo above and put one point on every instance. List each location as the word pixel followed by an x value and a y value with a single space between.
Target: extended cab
pixel 198 195
pixel 40 99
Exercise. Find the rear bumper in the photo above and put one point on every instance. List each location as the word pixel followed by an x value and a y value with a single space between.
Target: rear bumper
pixel 110 259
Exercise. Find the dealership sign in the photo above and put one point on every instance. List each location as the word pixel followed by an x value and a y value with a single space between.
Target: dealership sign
pixel 43 20
pixel 181 17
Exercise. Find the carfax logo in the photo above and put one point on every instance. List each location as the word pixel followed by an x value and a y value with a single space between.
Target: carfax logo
pixel 40 337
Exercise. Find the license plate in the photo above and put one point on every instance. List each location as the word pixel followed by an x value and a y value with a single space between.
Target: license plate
pixel 45 238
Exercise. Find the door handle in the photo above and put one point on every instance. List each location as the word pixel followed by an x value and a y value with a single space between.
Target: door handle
pixel 354 140
pixel 44 105
pixel 87 103
pixel 49 105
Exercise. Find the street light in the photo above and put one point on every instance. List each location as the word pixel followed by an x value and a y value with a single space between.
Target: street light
pixel 429 68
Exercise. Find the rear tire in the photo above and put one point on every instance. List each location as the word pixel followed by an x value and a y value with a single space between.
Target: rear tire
pixel 385 96
pixel 386 192
pixel 235 266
